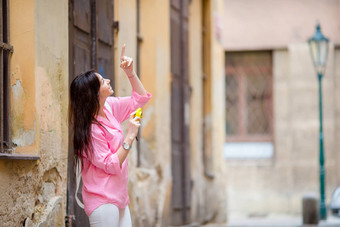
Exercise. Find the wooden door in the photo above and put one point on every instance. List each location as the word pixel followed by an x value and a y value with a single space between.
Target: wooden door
pixel 90 47
pixel 180 113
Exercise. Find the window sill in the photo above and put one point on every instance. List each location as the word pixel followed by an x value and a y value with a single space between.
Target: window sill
pixel 248 150
pixel 19 156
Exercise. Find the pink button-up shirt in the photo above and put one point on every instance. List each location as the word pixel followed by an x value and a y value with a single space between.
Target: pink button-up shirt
pixel 104 181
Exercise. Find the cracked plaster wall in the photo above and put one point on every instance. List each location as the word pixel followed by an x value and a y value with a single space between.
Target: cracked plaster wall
pixel 34 192
pixel 150 185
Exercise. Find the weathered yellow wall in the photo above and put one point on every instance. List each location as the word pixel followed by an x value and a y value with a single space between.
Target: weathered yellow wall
pixel 206 190
pixel 39 108
pixel 196 104
pixel 51 82
pixel 22 37
pixel 34 192
pixel 155 68
pixel 216 188
pixel 150 184
pixel 39 79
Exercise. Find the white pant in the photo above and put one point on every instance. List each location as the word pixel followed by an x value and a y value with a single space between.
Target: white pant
pixel 109 215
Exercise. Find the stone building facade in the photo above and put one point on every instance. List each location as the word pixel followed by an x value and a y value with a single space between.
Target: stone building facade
pixel 35 177
pixel 267 181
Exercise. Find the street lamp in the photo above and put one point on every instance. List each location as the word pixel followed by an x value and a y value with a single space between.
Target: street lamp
pixel 318 46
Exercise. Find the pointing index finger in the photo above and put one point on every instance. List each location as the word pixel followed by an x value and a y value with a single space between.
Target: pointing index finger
pixel 123 52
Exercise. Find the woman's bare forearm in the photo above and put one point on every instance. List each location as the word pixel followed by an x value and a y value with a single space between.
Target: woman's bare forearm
pixel 136 84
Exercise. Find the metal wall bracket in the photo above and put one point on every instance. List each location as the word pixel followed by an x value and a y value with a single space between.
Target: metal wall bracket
pixel 6 47
pixel 139 37
pixel 116 25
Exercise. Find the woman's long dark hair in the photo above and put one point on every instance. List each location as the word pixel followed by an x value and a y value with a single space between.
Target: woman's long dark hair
pixel 83 107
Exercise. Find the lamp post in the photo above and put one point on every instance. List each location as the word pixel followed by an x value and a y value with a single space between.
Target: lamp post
pixel 318 46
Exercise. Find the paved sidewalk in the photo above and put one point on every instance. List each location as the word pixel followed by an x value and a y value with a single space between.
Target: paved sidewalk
pixel 276 222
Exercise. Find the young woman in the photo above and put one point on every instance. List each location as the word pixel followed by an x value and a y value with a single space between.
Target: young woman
pixel 99 143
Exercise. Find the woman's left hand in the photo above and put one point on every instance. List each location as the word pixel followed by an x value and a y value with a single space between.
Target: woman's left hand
pixel 126 63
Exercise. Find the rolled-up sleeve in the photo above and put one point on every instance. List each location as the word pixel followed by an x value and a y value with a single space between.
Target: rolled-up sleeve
pixel 122 107
pixel 102 156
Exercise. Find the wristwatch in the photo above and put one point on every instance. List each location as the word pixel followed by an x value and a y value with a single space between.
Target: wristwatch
pixel 126 146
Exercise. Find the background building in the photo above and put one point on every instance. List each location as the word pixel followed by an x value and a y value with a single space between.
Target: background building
pixel 272 119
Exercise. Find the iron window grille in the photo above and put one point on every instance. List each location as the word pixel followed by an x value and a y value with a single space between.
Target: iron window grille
pixel 5 50
pixel 249 96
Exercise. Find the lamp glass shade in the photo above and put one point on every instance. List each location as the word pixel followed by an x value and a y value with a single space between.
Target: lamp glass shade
pixel 318 45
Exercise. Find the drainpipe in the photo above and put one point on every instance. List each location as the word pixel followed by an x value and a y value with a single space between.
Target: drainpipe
pixel 139 41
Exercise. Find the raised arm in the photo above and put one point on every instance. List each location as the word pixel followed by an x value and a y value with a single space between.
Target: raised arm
pixel 126 63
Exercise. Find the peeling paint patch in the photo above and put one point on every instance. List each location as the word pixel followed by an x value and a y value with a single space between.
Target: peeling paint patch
pixel 21 135
pixel 17 90
pixel 25 138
